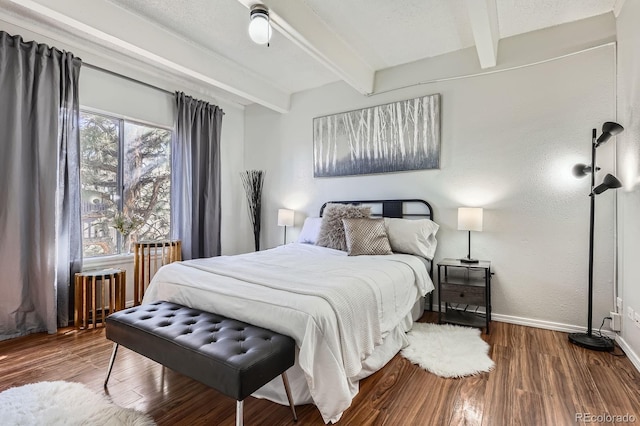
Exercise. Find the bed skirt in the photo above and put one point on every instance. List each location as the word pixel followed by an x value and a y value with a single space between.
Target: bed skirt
pixel 392 343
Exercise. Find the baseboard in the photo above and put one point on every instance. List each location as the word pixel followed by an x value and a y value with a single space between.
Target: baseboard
pixel 547 325
pixel 633 357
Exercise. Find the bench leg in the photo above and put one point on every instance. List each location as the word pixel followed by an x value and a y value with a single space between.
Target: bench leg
pixel 288 390
pixel 113 358
pixel 239 406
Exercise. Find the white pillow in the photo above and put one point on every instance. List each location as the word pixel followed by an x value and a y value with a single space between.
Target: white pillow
pixel 412 236
pixel 310 230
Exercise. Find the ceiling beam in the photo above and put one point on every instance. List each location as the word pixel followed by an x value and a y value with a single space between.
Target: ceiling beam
pixel 483 15
pixel 117 29
pixel 617 7
pixel 299 23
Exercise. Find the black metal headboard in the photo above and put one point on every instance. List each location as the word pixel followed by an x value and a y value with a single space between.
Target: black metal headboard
pixel 393 208
pixel 398 209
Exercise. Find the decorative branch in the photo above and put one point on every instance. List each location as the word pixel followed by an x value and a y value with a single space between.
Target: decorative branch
pixel 125 224
pixel 252 181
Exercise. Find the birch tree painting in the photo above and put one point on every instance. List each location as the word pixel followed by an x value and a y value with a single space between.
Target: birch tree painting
pixel 398 136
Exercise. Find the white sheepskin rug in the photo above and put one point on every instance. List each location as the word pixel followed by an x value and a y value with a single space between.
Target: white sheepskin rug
pixel 64 403
pixel 448 350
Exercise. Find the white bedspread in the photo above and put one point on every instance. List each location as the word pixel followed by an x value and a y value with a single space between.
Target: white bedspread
pixel 337 308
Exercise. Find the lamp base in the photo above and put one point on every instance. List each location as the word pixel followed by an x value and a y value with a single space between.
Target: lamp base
pixel 468 260
pixel 595 343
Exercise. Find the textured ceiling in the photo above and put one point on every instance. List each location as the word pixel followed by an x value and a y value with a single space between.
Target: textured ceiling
pixel 383 33
pixel 522 16
pixel 388 33
pixel 221 26
pixel 315 42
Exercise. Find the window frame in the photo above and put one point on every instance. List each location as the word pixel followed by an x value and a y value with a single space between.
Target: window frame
pixel 105 259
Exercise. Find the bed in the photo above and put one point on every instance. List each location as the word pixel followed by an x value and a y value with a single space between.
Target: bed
pixel 347 314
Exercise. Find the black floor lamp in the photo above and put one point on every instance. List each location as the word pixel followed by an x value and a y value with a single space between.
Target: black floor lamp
pixel 589 340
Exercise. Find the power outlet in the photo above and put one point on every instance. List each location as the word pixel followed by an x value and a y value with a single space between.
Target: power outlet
pixel 616 321
pixel 619 304
pixel 630 313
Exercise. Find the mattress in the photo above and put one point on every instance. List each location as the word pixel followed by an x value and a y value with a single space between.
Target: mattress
pixel 347 314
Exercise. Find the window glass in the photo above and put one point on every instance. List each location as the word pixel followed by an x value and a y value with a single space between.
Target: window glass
pixel 126 177
pixel 147 180
pixel 99 153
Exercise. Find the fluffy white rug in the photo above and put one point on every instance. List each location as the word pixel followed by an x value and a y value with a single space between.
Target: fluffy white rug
pixel 448 350
pixel 64 403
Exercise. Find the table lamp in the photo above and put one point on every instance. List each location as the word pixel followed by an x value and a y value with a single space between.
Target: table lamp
pixel 469 219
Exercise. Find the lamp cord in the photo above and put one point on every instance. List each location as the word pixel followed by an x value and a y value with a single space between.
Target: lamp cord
pixel 599 334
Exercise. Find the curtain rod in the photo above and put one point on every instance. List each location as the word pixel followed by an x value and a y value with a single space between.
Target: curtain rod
pixel 151 86
pixel 133 80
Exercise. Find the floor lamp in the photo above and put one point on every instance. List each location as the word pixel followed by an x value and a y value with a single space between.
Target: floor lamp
pixel 589 340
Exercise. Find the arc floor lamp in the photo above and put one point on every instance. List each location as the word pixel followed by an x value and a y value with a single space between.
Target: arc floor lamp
pixel 589 340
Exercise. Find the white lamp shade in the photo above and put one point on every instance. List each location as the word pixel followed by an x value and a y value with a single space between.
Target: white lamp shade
pixel 259 28
pixel 470 219
pixel 285 217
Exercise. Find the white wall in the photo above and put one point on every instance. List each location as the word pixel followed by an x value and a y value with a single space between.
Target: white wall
pixel 509 141
pixel 117 96
pixel 629 169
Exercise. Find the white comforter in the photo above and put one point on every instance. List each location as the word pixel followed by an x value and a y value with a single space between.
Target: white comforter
pixel 337 308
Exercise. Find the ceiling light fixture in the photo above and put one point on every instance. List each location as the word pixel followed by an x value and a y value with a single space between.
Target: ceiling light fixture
pixel 259 24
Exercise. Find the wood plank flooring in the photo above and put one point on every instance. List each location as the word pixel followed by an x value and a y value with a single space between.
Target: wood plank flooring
pixel 539 379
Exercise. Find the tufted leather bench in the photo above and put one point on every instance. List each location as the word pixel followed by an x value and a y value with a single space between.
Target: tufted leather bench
pixel 230 356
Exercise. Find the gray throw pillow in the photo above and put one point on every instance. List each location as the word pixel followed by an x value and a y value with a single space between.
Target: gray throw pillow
pixel 366 237
pixel 332 228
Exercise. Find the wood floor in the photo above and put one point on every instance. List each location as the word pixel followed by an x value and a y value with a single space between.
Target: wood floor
pixel 539 379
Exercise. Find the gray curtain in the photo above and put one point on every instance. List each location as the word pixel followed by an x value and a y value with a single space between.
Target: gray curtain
pixel 40 245
pixel 195 177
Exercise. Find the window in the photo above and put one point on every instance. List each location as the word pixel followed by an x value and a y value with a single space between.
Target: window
pixel 125 172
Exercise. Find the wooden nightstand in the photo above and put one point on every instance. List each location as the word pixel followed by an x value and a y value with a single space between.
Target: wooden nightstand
pixel 97 295
pixel 463 288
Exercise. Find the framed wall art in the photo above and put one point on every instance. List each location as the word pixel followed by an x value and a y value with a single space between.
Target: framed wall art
pixel 398 136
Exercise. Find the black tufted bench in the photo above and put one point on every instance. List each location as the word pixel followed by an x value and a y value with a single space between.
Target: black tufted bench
pixel 230 356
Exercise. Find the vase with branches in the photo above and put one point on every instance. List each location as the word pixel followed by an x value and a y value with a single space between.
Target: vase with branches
pixel 125 225
pixel 252 181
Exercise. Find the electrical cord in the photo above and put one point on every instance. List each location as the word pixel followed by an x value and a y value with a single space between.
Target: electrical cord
pixel 599 332
pixel 613 342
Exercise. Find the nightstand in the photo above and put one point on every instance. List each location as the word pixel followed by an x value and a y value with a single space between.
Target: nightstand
pixel 98 294
pixel 464 288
